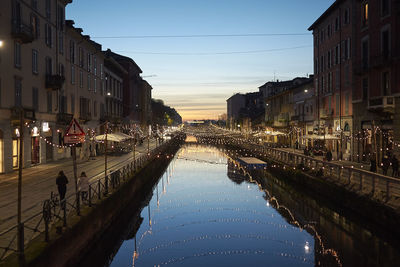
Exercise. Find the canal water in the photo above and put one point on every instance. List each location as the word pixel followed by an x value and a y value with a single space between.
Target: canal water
pixel 206 212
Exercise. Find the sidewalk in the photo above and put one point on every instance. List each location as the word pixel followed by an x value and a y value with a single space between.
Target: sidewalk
pixel 356 165
pixel 39 181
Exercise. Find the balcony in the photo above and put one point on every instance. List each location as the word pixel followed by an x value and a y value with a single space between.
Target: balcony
pixel 325 114
pixel 383 104
pixel 84 117
pixel 29 115
pixel 54 82
pixel 22 32
pixel 64 118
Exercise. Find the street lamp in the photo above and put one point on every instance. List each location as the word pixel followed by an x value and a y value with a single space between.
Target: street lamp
pixel 1 43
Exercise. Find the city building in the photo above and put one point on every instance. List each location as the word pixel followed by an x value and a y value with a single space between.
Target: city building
pixel 83 96
pixel 334 50
pixel 376 92
pixel 304 111
pixel 32 79
pixel 234 104
pixel 132 87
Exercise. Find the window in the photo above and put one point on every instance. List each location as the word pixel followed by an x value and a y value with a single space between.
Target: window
pixel 89 62
pixel 385 8
pixel 316 66
pixel 337 24
pixel 18 91
pixel 60 18
pixel 72 74
pixel 48 9
pixel 35 26
pixel 346 16
pixel 35 99
pixel 385 42
pixel 81 62
pixel 48 35
pixel 35 61
pixel 322 36
pixel 61 43
pixel 49 66
pixel 364 14
pixel 63 104
pixel 95 85
pixel 81 79
pixel 329 30
pixel 101 72
pixel 365 88
pixel 337 79
pixel 95 65
pixel 330 82
pixel 322 64
pixel 72 51
pixel 88 82
pixel 385 83
pixel 346 103
pixel 49 102
pixel 17 55
pixel 61 70
pixel 337 54
pixel 34 4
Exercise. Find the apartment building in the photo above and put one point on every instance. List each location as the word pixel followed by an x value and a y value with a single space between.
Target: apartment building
pixel 234 104
pixel 304 110
pixel 333 67
pixel 32 75
pixel 376 92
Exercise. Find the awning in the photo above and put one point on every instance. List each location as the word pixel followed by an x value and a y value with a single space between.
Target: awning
pixel 113 137
pixel 321 137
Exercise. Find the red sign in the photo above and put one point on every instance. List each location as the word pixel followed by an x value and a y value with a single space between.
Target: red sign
pixel 74 133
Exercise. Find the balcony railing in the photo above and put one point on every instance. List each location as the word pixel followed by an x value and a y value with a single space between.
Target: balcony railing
pixel 85 117
pixel 64 118
pixel 381 104
pixel 22 32
pixel 54 82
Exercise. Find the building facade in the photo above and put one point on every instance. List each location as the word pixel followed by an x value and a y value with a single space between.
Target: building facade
pixel 32 75
pixel 234 105
pixel 333 69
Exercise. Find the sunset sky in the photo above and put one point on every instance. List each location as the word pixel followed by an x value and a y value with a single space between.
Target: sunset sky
pixel 196 74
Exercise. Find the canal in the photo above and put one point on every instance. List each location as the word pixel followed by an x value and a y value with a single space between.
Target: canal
pixel 206 212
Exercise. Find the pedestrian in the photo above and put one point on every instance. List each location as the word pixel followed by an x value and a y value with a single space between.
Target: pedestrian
pixel 395 166
pixel 373 163
pixel 385 165
pixel 62 182
pixel 83 185
pixel 329 155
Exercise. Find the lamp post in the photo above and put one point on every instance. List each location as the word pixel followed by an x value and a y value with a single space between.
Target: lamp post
pixel 20 163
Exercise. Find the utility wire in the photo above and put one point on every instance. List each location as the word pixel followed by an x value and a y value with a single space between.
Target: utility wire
pixel 215 53
pixel 200 35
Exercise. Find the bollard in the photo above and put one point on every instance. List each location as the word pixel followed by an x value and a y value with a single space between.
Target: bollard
pixel 21 238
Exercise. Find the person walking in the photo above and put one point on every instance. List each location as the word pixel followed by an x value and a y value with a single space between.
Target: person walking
pixel 385 165
pixel 62 182
pixel 329 155
pixel 83 185
pixel 373 163
pixel 395 166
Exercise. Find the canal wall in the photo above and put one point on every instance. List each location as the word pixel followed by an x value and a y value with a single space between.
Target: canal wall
pixel 375 215
pixel 70 248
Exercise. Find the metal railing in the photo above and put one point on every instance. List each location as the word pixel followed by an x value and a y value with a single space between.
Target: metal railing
pixel 56 213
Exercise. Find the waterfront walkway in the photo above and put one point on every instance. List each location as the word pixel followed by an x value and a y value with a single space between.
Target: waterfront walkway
pixel 39 181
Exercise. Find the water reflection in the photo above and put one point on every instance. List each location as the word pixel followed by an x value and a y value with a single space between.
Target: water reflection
pixel 209 212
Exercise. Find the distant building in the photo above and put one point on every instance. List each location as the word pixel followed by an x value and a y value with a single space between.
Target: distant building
pixel 304 117
pixel 234 104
